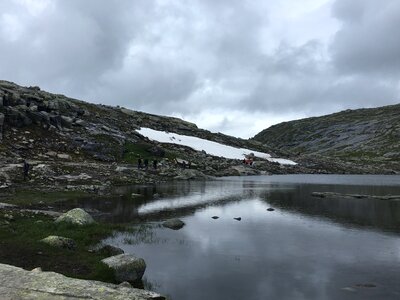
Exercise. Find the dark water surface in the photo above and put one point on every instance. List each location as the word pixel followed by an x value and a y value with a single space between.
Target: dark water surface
pixel 308 248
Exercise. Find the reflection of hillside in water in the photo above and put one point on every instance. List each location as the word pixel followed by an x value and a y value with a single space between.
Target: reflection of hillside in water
pixel 381 214
pixel 179 199
pixel 163 201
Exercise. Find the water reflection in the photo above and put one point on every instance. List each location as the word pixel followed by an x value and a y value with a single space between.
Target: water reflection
pixel 308 248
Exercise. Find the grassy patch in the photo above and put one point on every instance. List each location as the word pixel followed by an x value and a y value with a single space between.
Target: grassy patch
pixel 27 198
pixel 132 152
pixel 20 245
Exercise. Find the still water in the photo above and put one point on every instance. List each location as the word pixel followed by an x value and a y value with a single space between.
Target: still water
pixel 307 248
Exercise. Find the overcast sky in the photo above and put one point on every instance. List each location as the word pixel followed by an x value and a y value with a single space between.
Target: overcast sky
pixel 233 66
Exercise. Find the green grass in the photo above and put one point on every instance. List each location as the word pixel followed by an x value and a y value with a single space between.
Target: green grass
pixel 132 152
pixel 25 197
pixel 20 245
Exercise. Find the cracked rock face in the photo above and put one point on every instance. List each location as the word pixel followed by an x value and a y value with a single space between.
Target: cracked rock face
pixel 17 283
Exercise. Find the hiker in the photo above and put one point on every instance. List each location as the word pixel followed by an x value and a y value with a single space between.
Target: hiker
pixel 26 170
pixel 146 163
pixel 155 164
pixel 139 165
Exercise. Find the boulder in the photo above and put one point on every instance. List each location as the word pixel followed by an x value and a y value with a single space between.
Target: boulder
pixel 59 242
pixel 76 216
pixel 108 250
pixel 17 283
pixel 127 267
pixel 174 224
pixel 66 121
pixel 64 156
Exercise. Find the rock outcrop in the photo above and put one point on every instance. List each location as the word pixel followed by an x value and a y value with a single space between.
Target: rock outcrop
pixel 367 138
pixel 20 284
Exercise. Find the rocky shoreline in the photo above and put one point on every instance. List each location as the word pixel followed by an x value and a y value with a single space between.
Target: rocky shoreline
pixel 17 283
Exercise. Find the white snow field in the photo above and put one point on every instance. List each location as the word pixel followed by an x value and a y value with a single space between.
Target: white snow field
pixel 212 148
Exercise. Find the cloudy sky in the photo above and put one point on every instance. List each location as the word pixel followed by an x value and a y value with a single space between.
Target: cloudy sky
pixel 233 66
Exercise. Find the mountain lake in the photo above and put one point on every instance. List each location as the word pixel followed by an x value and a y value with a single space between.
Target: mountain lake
pixel 305 248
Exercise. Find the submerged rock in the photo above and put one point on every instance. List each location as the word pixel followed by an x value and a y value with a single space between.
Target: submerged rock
pixel 127 267
pixel 76 216
pixel 17 283
pixel 174 224
pixel 59 242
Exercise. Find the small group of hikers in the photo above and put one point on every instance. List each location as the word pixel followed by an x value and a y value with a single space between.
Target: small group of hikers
pixel 144 164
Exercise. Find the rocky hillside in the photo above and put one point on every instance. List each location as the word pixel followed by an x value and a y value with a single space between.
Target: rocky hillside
pixel 69 142
pixel 365 137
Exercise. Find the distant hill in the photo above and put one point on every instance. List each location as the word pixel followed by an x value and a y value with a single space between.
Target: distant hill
pixel 72 142
pixel 365 136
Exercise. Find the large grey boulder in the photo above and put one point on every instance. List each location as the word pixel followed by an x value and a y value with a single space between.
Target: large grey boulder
pixel 17 283
pixel 174 224
pixel 59 242
pixel 76 216
pixel 127 267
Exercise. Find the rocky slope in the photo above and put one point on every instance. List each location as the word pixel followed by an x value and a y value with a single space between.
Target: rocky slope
pixel 69 142
pixel 364 138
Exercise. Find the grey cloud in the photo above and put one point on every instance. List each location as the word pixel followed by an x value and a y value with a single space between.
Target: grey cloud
pixel 71 45
pixel 202 56
pixel 368 41
pixel 297 79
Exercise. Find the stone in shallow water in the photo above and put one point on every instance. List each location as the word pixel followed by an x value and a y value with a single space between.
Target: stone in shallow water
pixel 59 242
pixel 174 224
pixel 76 216
pixel 127 267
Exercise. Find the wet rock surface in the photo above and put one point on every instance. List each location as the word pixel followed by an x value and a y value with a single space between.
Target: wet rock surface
pixel 174 224
pixel 354 196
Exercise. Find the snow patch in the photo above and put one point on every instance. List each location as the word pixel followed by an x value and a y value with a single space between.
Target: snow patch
pixel 212 148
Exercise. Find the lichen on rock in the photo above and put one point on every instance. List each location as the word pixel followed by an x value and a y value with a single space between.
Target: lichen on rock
pixel 76 216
